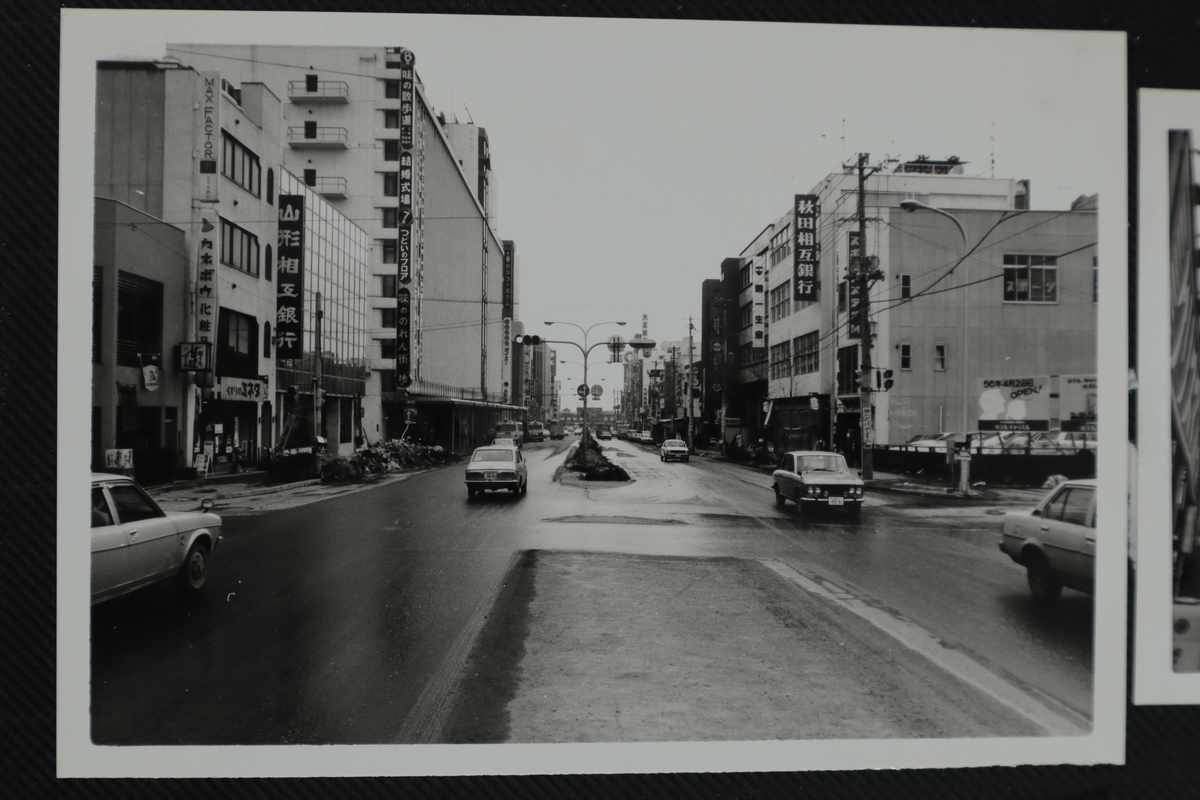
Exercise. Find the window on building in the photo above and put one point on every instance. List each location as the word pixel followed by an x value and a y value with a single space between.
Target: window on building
pixel 906 356
pixel 391 89
pixel 237 345
pixel 240 165
pixel 387 285
pixel 387 380
pixel 781 245
pixel 270 186
pixel 781 301
pixel 139 318
pixel 390 217
pixel 781 360
pixel 391 184
pixel 389 251
pixel 267 263
pixel 744 276
pixel 807 350
pixel 905 286
pixel 311 83
pixel 391 149
pixel 746 314
pixel 387 348
pixel 310 177
pixel 266 340
pixel 97 307
pixel 1095 279
pixel 1030 279
pixel 391 118
pixel 387 317
pixel 939 357
pixel 843 291
pixel 239 248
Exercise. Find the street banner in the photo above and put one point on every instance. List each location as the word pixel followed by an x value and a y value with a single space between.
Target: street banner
pixel 150 370
pixel 289 278
pixel 403 338
pixel 1014 404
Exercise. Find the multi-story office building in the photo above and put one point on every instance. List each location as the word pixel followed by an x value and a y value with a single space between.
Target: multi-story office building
pixel 1021 305
pixel 360 131
pixel 195 282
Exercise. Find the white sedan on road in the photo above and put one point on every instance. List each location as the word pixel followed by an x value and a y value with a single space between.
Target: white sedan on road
pixel 674 450
pixel 1056 541
pixel 135 543
pixel 815 477
pixel 497 467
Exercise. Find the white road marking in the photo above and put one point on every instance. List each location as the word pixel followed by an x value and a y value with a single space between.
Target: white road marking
pixel 916 638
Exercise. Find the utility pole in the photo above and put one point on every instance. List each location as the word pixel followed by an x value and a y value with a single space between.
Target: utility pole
pixel 318 375
pixel 862 272
pixel 691 389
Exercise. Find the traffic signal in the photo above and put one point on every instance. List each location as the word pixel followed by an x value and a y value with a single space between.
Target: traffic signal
pixel 887 380
pixel 528 340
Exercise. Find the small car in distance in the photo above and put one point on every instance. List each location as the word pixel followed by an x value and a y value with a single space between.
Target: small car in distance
pixel 506 442
pixel 645 437
pixel 494 467
pixel 135 543
pixel 604 432
pixel 1056 540
pixel 815 477
pixel 674 449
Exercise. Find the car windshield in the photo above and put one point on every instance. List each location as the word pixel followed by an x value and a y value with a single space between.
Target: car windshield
pixel 830 463
pixel 674 443
pixel 490 454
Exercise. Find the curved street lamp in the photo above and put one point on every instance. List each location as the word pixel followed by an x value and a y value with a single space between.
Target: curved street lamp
pixel 638 342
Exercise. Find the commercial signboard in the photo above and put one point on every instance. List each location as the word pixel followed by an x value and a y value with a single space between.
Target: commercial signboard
pixel 206 283
pixel 507 292
pixel 1037 403
pixel 806 248
pixel 403 338
pixel 207 150
pixel 854 286
pixel 1014 404
pixel 289 278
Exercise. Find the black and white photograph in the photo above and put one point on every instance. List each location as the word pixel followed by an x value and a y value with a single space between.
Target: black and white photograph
pixel 1165 556
pixel 519 395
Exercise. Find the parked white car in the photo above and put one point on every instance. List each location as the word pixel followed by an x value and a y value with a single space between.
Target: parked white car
pixel 135 543
pixel 1056 540
pixel 815 477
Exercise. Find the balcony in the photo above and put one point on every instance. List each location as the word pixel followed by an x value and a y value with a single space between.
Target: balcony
pixel 326 92
pixel 330 188
pixel 299 137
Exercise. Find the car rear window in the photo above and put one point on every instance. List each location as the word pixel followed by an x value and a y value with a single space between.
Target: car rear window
pixel 1071 505
pixel 492 455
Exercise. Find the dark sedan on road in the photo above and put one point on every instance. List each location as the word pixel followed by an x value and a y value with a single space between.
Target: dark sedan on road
pixel 495 467
pixel 813 478
pixel 1056 540
pixel 135 543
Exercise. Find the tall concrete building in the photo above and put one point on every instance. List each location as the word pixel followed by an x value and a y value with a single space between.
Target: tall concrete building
pixel 360 130
pixel 1020 306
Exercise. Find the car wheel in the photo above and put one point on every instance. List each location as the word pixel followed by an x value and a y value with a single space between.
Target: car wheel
pixel 780 500
pixel 195 568
pixel 663 458
pixel 1044 584
pixel 525 487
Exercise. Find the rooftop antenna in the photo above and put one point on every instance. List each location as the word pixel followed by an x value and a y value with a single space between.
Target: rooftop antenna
pixel 993 138
pixel 843 155
pixel 469 118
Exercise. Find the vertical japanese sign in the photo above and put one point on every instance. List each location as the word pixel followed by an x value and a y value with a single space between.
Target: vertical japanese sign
pixel 806 248
pixel 405 178
pixel 758 326
pixel 206 282
pixel 208 137
pixel 289 278
pixel 509 276
pixel 403 338
pixel 854 285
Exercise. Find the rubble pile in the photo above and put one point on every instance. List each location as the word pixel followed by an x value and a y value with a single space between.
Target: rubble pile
pixel 384 457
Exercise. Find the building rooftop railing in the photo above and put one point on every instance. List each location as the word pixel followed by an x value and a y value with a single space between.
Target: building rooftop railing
pixel 326 92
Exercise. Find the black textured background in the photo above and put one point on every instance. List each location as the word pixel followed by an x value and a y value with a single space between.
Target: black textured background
pixel 1163 757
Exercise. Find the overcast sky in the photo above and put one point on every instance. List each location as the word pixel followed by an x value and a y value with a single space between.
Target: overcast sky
pixel 632 156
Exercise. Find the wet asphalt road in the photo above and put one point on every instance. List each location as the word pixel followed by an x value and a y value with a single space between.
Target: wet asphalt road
pixel 347 620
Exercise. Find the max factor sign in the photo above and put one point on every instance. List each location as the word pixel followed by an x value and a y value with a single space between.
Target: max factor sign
pixel 208 133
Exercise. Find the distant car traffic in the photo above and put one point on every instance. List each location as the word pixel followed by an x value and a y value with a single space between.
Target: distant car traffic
pixel 1056 540
pixel 673 449
pixel 537 432
pixel 604 432
pixel 932 440
pixel 135 543
pixel 815 477
pixel 494 467
pixel 506 442
pixel 644 437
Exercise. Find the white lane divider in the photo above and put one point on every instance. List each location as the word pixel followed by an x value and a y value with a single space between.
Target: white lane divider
pixel 914 637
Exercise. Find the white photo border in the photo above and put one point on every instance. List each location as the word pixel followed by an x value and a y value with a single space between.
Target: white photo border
pixel 92 35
